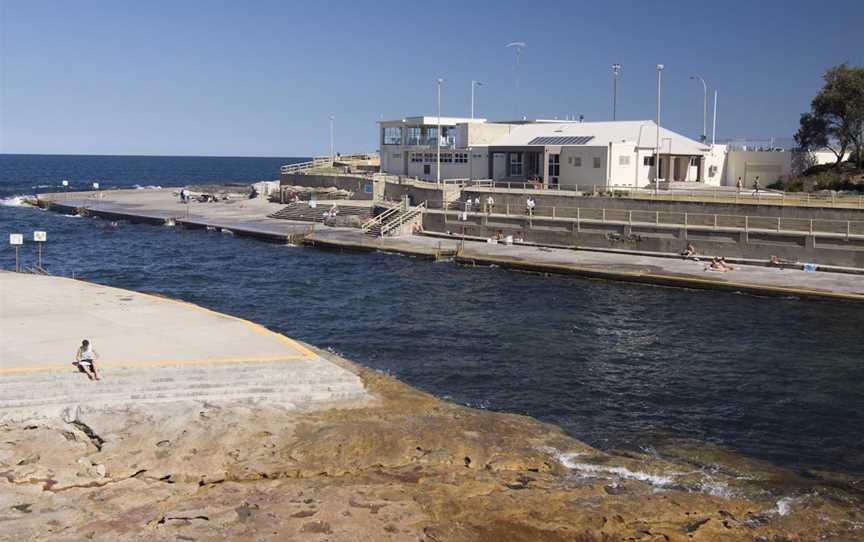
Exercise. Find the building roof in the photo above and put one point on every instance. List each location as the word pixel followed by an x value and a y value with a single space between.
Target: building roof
pixel 432 120
pixel 642 133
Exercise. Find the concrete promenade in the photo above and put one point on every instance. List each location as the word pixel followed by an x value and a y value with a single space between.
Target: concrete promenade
pixel 151 349
pixel 249 216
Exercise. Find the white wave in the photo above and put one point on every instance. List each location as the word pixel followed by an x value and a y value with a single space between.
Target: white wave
pixel 784 506
pixel 16 201
pixel 589 469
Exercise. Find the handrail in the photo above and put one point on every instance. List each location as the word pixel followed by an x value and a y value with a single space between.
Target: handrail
pixel 846 228
pixel 321 160
pixel 405 216
pixel 386 215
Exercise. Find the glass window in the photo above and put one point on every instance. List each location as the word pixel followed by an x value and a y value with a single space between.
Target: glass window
pixel 623 160
pixel 431 137
pixel 413 135
pixel 597 162
pixel 392 135
pixel 446 158
pixel 515 164
pixel 429 157
pixel 577 161
pixel 460 157
pixel 648 161
pixel 554 165
pixel 416 156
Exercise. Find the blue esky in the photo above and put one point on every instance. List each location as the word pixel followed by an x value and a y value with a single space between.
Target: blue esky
pixel 260 78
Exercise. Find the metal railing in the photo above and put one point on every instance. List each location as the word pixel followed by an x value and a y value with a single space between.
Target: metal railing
pixel 717 222
pixel 405 216
pixel 383 217
pixel 320 161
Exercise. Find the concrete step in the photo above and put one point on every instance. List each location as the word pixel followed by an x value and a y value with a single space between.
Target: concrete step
pixel 300 394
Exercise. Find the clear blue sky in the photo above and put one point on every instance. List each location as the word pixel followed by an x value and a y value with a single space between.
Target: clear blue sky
pixel 261 78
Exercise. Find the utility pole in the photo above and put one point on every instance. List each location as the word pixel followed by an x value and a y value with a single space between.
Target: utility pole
pixel 704 136
pixel 714 126
pixel 517 46
pixel 438 134
pixel 474 84
pixel 332 139
pixel 616 69
pixel 657 153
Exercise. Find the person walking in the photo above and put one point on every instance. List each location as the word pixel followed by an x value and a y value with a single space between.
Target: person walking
pixel 85 360
pixel 739 184
pixel 756 185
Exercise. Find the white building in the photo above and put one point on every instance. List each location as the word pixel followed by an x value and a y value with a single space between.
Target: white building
pixel 555 153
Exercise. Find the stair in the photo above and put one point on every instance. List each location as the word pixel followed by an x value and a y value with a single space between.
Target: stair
pixel 303 213
pixel 288 383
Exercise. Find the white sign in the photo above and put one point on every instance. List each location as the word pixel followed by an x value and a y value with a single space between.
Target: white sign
pixel 40 236
pixel 65 182
pixel 95 186
pixel 16 239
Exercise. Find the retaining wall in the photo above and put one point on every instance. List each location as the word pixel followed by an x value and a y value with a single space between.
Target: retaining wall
pixel 362 187
pixel 760 245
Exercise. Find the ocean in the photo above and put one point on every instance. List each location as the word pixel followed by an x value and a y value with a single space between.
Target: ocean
pixel 642 369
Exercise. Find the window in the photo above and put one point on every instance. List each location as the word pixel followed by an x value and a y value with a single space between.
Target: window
pixel 396 155
pixel 392 135
pixel 648 161
pixel 417 157
pixel 427 169
pixel 597 162
pixel 446 158
pixel 694 161
pixel 554 165
pixel 431 137
pixel 478 156
pixel 623 160
pixel 460 157
pixel 429 157
pixel 577 161
pixel 413 135
pixel 515 164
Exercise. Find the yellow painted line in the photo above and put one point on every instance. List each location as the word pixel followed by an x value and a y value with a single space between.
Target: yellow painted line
pixel 154 363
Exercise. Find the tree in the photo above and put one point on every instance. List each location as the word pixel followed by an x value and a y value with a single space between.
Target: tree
pixel 836 117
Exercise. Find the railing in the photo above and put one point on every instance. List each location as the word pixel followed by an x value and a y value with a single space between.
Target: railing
pixel 383 217
pixel 402 218
pixel 319 161
pixel 717 222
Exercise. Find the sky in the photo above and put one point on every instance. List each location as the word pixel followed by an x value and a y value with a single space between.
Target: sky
pixel 261 78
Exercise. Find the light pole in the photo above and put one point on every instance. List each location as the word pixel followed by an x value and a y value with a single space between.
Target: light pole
pixel 704 137
pixel 438 134
pixel 714 123
pixel 517 46
pixel 332 139
pixel 474 84
pixel 657 152
pixel 616 69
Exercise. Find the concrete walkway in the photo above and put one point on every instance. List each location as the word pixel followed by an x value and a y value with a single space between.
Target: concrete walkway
pixel 251 216
pixel 150 349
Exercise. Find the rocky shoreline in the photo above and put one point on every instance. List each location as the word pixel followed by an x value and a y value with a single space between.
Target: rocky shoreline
pixel 402 465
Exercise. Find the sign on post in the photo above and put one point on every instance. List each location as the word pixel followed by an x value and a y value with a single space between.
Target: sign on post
pixel 40 236
pixel 16 239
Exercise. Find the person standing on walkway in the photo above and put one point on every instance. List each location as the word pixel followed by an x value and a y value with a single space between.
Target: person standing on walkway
pixel 756 186
pixel 739 185
pixel 85 360
pixel 529 206
pixel 490 204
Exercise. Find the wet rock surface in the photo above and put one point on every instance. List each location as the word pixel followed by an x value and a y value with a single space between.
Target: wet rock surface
pixel 400 466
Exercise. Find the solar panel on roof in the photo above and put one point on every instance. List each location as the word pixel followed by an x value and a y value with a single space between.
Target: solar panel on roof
pixel 569 140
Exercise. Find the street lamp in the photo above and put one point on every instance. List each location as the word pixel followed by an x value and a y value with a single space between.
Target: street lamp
pixel 616 69
pixel 657 152
pixel 332 139
pixel 474 84
pixel 704 107
pixel 517 46
pixel 438 134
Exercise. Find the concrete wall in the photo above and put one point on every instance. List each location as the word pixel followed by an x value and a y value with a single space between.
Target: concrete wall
pixel 550 198
pixel 577 167
pixel 761 246
pixel 362 187
pixel 768 166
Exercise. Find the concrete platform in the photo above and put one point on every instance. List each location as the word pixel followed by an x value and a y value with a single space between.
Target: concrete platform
pixel 250 217
pixel 150 349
